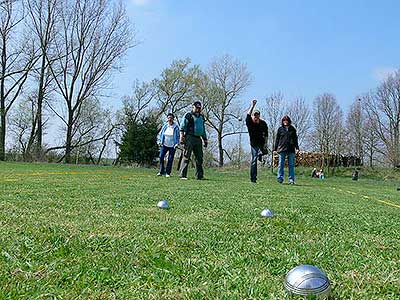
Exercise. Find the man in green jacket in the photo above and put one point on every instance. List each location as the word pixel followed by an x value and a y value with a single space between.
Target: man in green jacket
pixel 193 135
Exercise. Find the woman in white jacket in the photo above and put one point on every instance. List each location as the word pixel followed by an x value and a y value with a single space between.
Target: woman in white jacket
pixel 168 140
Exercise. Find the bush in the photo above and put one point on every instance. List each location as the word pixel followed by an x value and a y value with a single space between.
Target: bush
pixel 139 142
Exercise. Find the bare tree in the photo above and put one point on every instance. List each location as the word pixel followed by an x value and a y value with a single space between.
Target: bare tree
pixel 383 108
pixel 274 111
pixel 328 118
pixel 339 144
pixel 299 112
pixel 354 130
pixel 227 79
pixel 144 94
pixel 17 59
pixel 93 36
pixel 19 123
pixel 176 87
pixel 93 131
pixel 42 24
pixel 372 143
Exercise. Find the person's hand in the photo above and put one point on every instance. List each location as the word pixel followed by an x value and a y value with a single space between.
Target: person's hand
pixel 254 102
pixel 205 143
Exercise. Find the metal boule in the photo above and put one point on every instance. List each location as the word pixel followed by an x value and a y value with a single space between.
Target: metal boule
pixel 307 282
pixel 163 204
pixel 267 213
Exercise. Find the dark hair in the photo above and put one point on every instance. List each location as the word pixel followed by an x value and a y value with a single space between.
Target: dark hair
pixel 287 118
pixel 171 114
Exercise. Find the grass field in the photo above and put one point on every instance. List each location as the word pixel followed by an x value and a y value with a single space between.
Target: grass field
pixel 77 232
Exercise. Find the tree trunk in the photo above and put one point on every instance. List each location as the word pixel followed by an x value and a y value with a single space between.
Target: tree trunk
pixel 220 150
pixel 2 132
pixel 68 142
pixel 39 140
pixel 3 102
pixel 371 153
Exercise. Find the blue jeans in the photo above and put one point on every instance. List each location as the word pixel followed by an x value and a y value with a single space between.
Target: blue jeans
pixel 253 168
pixel 171 154
pixel 281 167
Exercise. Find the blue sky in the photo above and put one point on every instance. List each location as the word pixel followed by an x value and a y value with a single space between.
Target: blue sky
pixel 302 48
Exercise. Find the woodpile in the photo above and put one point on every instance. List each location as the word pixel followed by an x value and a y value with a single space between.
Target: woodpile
pixel 321 160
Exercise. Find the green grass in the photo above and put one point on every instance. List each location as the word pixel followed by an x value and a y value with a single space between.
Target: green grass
pixel 74 232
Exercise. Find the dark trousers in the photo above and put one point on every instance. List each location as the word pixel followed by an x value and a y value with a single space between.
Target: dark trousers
pixel 253 167
pixel 171 154
pixel 195 145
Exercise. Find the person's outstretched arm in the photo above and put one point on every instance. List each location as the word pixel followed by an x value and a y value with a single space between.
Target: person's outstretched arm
pixel 254 102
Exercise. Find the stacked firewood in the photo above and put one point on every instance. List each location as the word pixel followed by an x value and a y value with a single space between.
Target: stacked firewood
pixel 320 160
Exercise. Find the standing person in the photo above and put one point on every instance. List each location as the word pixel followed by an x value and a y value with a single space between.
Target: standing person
pixel 258 132
pixel 286 144
pixel 168 140
pixel 193 135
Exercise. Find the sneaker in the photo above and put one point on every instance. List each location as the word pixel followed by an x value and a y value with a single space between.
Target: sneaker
pixel 291 181
pixel 167 175
pixel 183 178
pixel 159 174
pixel 280 181
pixel 253 181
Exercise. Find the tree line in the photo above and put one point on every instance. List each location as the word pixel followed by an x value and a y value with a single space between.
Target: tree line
pixel 57 59
pixel 368 131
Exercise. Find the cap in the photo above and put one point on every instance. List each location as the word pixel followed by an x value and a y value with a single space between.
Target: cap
pixel 197 104
pixel 256 112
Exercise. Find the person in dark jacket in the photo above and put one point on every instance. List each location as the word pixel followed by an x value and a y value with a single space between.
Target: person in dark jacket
pixel 258 132
pixel 286 144
pixel 193 136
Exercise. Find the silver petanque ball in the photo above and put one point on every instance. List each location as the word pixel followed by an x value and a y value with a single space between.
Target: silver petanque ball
pixel 163 204
pixel 307 282
pixel 267 213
